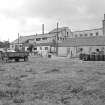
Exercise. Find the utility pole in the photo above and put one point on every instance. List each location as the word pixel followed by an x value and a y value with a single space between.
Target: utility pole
pixel 18 38
pixel 104 25
pixel 57 41
pixel 18 41
pixel 43 29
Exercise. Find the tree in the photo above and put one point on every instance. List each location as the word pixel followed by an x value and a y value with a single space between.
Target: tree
pixel 54 44
pixel 31 46
pixel 5 44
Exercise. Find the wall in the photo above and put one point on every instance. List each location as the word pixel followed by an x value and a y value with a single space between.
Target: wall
pixel 26 47
pixel 67 51
pixel 88 33
pixel 62 51
pixel 89 49
pixel 14 46
pixel 64 34
pixel 48 39
pixel 31 41
pixel 71 52
pixel 42 50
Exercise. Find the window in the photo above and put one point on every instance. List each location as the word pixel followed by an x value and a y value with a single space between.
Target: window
pixel 97 33
pixel 81 49
pixel 81 35
pixel 44 38
pixel 91 34
pixel 46 48
pixel 85 34
pixel 60 38
pixel 67 34
pixel 38 39
pixel 35 48
pixel 20 45
pixel 27 49
pixel 97 50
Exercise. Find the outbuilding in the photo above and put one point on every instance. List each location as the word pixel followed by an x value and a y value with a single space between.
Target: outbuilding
pixel 72 47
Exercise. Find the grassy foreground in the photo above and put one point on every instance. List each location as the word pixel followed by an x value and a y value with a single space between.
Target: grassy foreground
pixel 42 81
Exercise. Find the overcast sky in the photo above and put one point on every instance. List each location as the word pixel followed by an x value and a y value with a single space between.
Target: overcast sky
pixel 27 16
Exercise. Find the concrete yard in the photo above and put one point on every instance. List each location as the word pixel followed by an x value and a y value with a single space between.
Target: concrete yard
pixel 55 81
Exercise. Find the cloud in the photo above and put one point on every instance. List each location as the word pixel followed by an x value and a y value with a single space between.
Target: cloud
pixel 27 16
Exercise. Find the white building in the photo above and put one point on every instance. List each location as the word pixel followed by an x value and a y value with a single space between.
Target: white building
pixel 19 43
pixel 69 43
pixel 88 33
pixel 43 43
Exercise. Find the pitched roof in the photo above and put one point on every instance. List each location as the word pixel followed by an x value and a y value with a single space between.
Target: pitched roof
pixel 44 35
pixel 22 39
pixel 86 41
pixel 89 30
pixel 44 44
pixel 59 29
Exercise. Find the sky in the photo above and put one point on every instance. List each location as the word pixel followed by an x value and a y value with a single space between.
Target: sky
pixel 27 16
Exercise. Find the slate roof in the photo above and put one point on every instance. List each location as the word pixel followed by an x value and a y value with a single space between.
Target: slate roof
pixel 59 29
pixel 86 41
pixel 44 44
pixel 90 30
pixel 44 35
pixel 23 39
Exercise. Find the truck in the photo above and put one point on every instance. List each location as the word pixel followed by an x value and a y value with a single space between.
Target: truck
pixel 14 56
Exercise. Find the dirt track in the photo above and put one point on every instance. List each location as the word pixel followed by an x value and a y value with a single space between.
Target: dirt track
pixel 42 81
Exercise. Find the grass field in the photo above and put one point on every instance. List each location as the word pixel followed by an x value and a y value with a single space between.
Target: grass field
pixel 43 81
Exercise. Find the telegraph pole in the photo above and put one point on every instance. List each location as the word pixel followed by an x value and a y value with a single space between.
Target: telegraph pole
pixel 18 42
pixel 104 25
pixel 18 38
pixel 57 41
pixel 43 29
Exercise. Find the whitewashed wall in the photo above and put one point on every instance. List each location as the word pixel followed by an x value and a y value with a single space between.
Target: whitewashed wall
pixel 74 51
pixel 62 51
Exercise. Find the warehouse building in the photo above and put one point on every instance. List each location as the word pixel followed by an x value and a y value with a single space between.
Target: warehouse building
pixel 74 46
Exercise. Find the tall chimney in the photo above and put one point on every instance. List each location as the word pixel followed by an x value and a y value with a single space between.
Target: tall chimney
pixel 104 25
pixel 43 29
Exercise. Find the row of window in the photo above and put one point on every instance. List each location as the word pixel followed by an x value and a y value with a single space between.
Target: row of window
pixel 16 46
pixel 60 38
pixel 45 38
pixel 46 48
pixel 91 34
pixel 38 39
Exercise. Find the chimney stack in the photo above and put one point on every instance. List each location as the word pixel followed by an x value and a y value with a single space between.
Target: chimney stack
pixel 43 29
pixel 104 25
